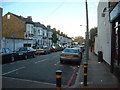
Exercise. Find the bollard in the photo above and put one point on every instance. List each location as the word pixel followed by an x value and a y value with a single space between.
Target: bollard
pixel 85 74
pixel 58 79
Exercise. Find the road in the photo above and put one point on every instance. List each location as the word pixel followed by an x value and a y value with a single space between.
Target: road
pixel 38 72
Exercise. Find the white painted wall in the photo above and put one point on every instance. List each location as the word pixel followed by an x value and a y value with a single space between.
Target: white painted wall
pixel 30 29
pixel 96 48
pixel 9 43
pixel 104 33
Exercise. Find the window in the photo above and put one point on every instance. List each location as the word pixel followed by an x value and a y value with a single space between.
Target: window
pixel 38 32
pixel 8 16
pixel 2 51
pixel 71 50
pixel 7 51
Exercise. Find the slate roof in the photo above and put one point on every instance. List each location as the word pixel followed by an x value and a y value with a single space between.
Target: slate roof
pixel 27 20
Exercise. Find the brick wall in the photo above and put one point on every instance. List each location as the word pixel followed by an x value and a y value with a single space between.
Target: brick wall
pixel 13 24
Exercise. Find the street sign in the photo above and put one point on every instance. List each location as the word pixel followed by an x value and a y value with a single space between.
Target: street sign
pixel 26 35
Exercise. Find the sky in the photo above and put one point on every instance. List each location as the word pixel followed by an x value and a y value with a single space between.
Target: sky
pixel 64 15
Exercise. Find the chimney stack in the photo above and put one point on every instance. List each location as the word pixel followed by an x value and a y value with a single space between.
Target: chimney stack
pixel 54 29
pixel 29 17
pixel 48 26
pixel 58 31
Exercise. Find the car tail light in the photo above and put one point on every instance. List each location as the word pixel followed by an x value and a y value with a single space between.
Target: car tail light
pixel 75 56
pixel 62 55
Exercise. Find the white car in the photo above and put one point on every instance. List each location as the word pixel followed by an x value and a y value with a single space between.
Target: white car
pixel 71 55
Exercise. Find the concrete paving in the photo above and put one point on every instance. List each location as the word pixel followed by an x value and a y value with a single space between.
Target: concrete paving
pixel 99 75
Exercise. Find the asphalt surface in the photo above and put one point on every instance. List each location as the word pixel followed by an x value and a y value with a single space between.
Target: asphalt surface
pixel 38 72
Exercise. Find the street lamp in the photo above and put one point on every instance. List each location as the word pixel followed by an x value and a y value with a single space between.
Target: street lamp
pixel 86 46
pixel 87 33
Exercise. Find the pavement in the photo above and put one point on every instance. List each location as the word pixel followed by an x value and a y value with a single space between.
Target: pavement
pixel 99 75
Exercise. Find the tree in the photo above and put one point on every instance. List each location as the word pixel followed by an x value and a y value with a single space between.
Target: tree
pixel 93 34
pixel 79 39
pixel 54 37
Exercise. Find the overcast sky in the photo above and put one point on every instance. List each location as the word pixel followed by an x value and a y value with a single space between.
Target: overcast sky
pixel 64 15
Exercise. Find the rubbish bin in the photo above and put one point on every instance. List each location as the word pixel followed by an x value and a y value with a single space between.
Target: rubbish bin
pixel 100 56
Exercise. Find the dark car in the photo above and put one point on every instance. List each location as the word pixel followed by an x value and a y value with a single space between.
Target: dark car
pixel 25 52
pixel 46 49
pixel 7 55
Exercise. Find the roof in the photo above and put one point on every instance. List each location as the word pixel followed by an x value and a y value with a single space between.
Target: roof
pixel 27 20
pixel 37 24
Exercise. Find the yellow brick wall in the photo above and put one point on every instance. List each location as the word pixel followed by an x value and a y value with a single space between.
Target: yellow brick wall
pixel 12 25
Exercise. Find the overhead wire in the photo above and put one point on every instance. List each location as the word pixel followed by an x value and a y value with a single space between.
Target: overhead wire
pixel 51 13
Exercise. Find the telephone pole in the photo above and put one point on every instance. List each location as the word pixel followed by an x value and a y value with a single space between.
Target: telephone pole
pixel 87 33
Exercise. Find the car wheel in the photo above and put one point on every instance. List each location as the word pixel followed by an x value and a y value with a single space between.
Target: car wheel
pixel 25 57
pixel 33 55
pixel 45 53
pixel 61 61
pixel 12 58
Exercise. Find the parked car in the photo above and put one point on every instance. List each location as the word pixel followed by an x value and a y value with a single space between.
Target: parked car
pixel 39 51
pixel 7 55
pixel 53 49
pixel 25 52
pixel 71 54
pixel 59 48
pixel 82 48
pixel 46 49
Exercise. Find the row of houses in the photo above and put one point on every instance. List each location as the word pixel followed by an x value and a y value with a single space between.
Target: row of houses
pixel 108 36
pixel 20 31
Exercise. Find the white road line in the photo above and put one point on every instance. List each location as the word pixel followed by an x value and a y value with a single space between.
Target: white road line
pixel 41 61
pixel 13 70
pixel 29 80
pixel 57 63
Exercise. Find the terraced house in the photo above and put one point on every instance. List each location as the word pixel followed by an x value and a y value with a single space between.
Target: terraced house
pixel 19 31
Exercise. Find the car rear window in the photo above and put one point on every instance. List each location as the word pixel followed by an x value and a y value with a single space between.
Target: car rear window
pixel 71 50
pixel 21 49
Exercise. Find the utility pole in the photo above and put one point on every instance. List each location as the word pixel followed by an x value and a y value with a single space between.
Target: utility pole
pixel 1 27
pixel 1 12
pixel 87 47
pixel 87 33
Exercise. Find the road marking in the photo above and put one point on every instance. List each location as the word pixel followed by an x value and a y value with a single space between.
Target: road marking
pixel 71 78
pixel 41 61
pixel 13 70
pixel 28 80
pixel 73 67
pixel 57 63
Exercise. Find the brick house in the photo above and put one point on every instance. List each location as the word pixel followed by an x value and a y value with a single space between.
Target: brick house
pixel 14 23
pixel 18 27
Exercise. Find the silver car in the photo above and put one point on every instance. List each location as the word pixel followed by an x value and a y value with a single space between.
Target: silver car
pixel 71 54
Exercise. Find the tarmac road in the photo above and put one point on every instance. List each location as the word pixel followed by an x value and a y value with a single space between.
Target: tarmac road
pixel 38 72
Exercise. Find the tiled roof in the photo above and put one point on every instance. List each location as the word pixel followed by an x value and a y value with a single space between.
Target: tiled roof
pixel 27 20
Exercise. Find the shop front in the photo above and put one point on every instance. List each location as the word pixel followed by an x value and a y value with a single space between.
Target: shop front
pixel 115 39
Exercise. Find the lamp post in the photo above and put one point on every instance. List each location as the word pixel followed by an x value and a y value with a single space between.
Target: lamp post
pixel 86 46
pixel 87 33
